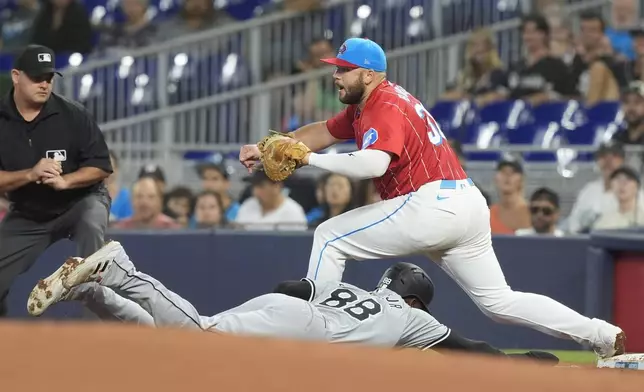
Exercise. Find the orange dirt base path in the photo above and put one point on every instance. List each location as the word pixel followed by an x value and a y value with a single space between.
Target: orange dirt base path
pixel 52 357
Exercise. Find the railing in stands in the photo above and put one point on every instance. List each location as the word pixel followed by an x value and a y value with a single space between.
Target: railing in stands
pixel 231 118
pixel 122 83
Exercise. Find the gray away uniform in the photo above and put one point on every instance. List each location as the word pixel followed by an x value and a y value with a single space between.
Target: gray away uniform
pixel 337 312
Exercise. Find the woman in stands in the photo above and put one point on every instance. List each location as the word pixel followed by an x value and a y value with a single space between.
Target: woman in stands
pixel 337 198
pixel 512 211
pixel 482 78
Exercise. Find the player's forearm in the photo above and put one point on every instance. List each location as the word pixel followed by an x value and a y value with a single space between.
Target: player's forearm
pixel 85 176
pixel 457 342
pixel 359 164
pixel 315 136
pixel 12 180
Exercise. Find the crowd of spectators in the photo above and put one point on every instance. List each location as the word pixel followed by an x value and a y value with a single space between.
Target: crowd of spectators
pixel 604 61
pixel 613 201
pixel 300 203
pixel 591 66
pixel 67 26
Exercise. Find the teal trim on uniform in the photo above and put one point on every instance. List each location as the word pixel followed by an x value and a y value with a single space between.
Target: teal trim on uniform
pixel 317 268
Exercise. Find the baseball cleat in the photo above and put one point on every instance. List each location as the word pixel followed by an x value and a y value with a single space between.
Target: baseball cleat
pixel 50 290
pixel 92 268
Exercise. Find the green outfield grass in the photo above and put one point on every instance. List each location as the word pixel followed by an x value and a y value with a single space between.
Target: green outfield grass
pixel 577 357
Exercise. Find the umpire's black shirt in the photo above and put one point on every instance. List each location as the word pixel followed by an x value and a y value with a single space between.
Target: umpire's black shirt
pixel 63 129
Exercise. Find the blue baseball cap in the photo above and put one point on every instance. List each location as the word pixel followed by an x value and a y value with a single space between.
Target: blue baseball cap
pixel 360 53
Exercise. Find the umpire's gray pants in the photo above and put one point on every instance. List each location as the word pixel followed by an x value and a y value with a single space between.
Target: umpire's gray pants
pixel 22 240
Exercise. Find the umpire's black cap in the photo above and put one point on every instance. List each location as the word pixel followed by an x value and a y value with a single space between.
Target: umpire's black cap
pixel 408 280
pixel 36 60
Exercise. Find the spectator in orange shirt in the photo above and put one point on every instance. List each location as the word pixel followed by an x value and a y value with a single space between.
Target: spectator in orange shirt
pixel 147 203
pixel 511 212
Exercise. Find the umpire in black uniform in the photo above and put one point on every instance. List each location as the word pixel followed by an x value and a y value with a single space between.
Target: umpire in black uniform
pixel 53 160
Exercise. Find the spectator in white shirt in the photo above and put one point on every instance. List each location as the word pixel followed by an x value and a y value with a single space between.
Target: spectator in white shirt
pixel 269 208
pixel 544 214
pixel 596 197
pixel 625 183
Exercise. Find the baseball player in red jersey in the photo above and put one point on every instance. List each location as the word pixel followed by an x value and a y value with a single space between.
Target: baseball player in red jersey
pixel 429 204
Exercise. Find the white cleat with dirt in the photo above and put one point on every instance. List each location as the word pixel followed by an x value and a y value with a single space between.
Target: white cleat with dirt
pixel 92 268
pixel 50 290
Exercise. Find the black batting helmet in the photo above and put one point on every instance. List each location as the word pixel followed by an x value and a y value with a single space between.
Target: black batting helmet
pixel 408 280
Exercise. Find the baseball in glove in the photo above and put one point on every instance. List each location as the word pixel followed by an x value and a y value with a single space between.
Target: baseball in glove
pixel 281 155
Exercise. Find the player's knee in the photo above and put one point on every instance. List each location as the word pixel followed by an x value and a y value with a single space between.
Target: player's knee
pixel 495 305
pixel 323 231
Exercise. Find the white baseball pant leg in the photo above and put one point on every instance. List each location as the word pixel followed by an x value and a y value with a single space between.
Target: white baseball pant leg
pixel 109 306
pixel 273 315
pixel 400 226
pixel 166 307
pixel 448 221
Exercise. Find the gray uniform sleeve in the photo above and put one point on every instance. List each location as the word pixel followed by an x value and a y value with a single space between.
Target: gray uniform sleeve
pixel 422 331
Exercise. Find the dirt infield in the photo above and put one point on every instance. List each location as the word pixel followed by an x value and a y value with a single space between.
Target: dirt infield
pixel 103 357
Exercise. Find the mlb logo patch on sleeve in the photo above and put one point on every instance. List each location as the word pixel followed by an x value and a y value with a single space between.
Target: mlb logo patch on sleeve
pixel 57 155
pixel 370 137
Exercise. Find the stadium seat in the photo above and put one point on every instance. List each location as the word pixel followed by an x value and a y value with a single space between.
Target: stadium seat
pixel 463 15
pixel 602 118
pixel 246 9
pixel 546 122
pixel 494 121
pixel 491 124
pixel 208 75
pixel 453 117
pixel 6 62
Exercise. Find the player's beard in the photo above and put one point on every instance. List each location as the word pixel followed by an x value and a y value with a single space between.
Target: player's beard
pixel 353 93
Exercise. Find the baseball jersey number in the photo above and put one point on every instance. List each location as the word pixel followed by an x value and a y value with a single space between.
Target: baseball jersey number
pixel 344 299
pixel 435 134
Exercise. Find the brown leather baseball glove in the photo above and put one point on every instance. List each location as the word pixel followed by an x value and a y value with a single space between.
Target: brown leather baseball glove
pixel 281 155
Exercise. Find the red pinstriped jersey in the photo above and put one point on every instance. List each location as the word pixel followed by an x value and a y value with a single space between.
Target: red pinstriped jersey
pixel 393 121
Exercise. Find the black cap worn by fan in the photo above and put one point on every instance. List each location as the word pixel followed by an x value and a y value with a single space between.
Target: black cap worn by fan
pixel 36 60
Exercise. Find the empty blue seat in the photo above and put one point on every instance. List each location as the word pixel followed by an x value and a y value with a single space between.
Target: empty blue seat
pixel 604 112
pixel 453 117
pixel 6 62
pixel 548 122
pixel 243 10
pixel 463 15
pixel 495 120
pixel 602 117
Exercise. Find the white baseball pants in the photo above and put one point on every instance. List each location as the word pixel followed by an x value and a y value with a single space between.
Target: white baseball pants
pixel 146 301
pixel 448 221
